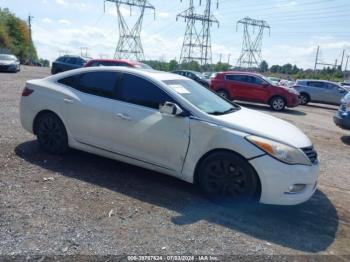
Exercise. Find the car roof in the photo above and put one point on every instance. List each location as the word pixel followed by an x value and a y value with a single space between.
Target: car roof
pixel 191 71
pixel 116 60
pixel 158 75
pixel 241 73
pixel 316 80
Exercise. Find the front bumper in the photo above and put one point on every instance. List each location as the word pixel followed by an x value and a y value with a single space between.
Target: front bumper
pixel 342 119
pixel 276 178
pixel 293 101
pixel 8 68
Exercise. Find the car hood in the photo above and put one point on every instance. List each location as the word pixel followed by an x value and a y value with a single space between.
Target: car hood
pixel 260 124
pixel 6 62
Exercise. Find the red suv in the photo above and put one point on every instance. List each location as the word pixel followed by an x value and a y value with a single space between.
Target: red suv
pixel 116 62
pixel 253 87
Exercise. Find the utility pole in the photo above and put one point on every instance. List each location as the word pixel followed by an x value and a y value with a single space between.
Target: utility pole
pixel 229 59
pixel 129 43
pixel 197 40
pixel 30 19
pixel 316 60
pixel 342 60
pixel 82 53
pixel 346 66
pixel 252 43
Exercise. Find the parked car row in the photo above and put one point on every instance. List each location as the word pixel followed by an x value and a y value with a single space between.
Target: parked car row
pixel 69 62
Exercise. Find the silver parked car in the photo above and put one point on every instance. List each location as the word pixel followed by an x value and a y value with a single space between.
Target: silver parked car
pixel 9 63
pixel 320 91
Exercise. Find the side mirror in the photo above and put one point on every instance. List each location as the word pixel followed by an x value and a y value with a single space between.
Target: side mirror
pixel 341 90
pixel 170 109
pixel 265 85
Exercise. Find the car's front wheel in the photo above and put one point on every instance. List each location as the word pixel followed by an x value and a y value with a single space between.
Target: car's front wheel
pixel 278 103
pixel 227 177
pixel 51 133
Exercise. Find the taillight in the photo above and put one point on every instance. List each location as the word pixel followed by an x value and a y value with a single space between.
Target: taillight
pixel 27 91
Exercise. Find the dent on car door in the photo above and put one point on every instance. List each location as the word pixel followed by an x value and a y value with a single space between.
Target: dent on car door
pixel 88 107
pixel 142 132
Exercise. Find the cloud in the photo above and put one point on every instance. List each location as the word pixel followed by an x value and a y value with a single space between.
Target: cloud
pixel 71 3
pixel 286 4
pixel 163 14
pixel 64 22
pixel 46 20
pixel 61 2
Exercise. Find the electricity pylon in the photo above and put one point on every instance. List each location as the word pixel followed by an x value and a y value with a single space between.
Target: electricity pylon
pixel 129 43
pixel 253 33
pixel 197 41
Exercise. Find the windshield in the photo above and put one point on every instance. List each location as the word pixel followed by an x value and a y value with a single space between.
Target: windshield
pixel 201 97
pixel 8 57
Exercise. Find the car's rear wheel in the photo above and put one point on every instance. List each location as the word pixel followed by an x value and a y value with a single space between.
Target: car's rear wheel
pixel 51 133
pixel 278 103
pixel 227 177
pixel 223 94
pixel 304 99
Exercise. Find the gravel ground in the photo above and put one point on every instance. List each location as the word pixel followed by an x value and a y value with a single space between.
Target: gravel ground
pixel 83 204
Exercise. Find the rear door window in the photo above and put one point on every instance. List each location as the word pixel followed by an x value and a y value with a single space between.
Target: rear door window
pixel 103 84
pixel 317 84
pixel 255 80
pixel 239 78
pixel 139 91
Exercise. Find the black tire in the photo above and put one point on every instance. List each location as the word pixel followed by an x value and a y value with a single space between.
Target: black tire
pixel 225 177
pixel 224 94
pixel 51 133
pixel 304 99
pixel 278 103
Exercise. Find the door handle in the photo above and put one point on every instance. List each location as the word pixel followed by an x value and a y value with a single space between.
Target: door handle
pixel 68 101
pixel 124 117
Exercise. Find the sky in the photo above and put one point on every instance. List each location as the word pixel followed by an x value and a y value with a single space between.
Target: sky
pixel 297 28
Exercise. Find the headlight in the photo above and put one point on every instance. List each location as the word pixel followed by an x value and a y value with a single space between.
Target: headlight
pixel 287 154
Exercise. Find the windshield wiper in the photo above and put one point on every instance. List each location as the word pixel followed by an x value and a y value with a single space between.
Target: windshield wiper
pixel 219 113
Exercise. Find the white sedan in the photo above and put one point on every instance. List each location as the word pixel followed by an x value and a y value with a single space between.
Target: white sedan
pixel 171 124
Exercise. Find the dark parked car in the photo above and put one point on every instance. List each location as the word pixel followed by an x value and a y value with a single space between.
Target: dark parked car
pixel 342 117
pixel 66 63
pixel 117 62
pixel 320 91
pixel 251 87
pixel 9 63
pixel 196 76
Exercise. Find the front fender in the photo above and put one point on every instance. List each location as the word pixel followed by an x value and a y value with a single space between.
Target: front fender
pixel 206 137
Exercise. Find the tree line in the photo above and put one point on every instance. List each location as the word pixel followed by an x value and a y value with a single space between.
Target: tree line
pixel 285 71
pixel 15 39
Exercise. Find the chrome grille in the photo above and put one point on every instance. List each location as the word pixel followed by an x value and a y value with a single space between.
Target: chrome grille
pixel 311 153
